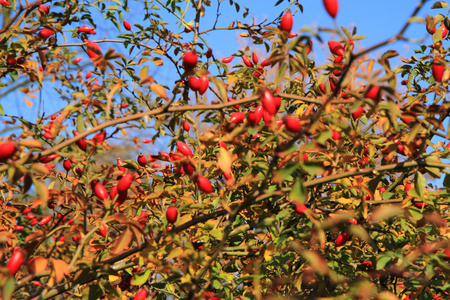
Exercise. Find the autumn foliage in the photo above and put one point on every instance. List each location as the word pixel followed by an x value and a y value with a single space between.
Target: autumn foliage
pixel 257 174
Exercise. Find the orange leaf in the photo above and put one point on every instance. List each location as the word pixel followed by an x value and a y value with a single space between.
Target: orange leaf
pixel 159 90
pixel 37 264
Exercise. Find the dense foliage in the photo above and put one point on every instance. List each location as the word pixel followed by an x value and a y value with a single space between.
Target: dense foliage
pixel 269 176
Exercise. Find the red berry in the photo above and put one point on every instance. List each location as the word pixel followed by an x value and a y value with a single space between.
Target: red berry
pixel 125 182
pixel 15 261
pixel 85 29
pixel 88 75
pixel 184 149
pixel 357 112
pixel 231 100
pixel 67 164
pixel 30 216
pixel 7 150
pixel 223 145
pixel 82 144
pixel 254 117
pixel 127 25
pixel 254 58
pixel 342 239
pixel 142 294
pixel 270 103
pixel 93 50
pixel 171 214
pixel 119 162
pixel 45 220
pixel 287 21
pixel 142 161
pixel 438 71
pixel 247 61
pixel 99 137
pixel 190 59
pixel 293 124
pixel 237 117
pixel 204 83
pixel 204 184
pixel 336 48
pixel 103 230
pixel 332 7
pixel 266 63
pixel 45 33
pixel 188 28
pixel 300 209
pixel 336 135
pixel 18 227
pixel 44 9
pixel 227 59
pixel 77 60
pixel 186 125
pixel 100 191
pixel 26 210
pixel 194 83
pixel 373 93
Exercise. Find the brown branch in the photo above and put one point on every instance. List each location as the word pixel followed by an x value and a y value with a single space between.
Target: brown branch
pixel 21 10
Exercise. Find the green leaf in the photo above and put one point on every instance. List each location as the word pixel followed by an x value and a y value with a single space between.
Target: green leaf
pixel 141 278
pixel 447 181
pixel 383 261
pixel 312 167
pixel 298 192
pixel 420 184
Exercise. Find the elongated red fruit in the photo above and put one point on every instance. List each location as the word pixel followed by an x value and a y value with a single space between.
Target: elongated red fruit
pixel 142 161
pixel 237 117
pixel 7 150
pixel 186 125
pixel 373 93
pixel 141 295
pixel 227 59
pixel 438 71
pixel 300 208
pixel 103 230
pixel 204 184
pixel 194 83
pixel 336 135
pixel 266 62
pixel 100 191
pixel 15 261
pixel 332 7
pixel 44 9
pixel 119 162
pixel 45 220
pixel 247 61
pixel 85 29
pixel 124 182
pixel 99 137
pixel 269 102
pixel 204 83
pixel 67 164
pixel 255 58
pixel 342 239
pixel 336 48
pixel 357 112
pixel 45 33
pixel 93 49
pixel 171 214
pixel 190 59
pixel 287 21
pixel 293 124
pixel 127 25
pixel 184 149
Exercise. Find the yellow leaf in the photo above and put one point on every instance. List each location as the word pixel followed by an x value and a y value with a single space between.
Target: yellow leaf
pixel 159 90
pixel 143 73
pixel 30 144
pixel 157 61
pixel 345 200
pixel 224 161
